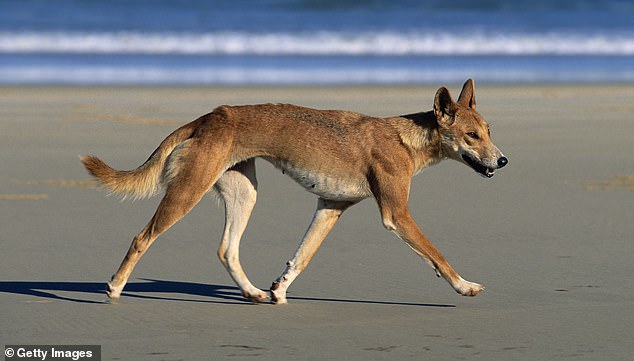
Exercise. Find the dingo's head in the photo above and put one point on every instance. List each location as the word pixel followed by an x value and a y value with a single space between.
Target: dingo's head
pixel 465 134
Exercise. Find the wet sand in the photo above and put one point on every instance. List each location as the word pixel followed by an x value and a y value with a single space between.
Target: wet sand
pixel 550 236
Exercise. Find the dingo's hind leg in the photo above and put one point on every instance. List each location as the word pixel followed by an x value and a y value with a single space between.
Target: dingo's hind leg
pixel 238 189
pixel 194 177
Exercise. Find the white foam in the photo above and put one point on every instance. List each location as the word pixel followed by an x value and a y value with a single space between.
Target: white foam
pixel 87 74
pixel 318 43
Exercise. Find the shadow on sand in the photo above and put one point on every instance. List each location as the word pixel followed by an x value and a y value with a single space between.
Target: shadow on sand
pixel 161 290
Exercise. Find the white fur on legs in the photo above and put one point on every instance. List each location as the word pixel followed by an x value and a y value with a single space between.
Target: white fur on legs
pixel 114 292
pixel 467 288
pixel 281 284
pixel 238 189
pixel 327 214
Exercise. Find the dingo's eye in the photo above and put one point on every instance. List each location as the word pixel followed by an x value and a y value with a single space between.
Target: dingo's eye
pixel 473 135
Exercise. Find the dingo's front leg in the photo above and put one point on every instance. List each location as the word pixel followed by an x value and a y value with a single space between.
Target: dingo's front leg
pixel 327 214
pixel 404 226
pixel 391 194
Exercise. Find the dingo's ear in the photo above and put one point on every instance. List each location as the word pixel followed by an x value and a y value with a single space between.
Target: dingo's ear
pixel 467 96
pixel 444 106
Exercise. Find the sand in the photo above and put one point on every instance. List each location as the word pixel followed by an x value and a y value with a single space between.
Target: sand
pixel 550 236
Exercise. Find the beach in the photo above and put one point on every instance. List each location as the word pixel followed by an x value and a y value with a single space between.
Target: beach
pixel 550 236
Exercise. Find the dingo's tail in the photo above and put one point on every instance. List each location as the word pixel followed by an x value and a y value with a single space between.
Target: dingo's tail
pixel 147 179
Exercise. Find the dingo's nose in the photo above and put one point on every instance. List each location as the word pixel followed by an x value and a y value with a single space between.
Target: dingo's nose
pixel 502 162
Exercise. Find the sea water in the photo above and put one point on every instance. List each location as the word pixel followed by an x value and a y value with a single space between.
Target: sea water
pixel 315 42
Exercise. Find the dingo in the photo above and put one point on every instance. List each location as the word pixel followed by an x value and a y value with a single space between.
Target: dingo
pixel 341 156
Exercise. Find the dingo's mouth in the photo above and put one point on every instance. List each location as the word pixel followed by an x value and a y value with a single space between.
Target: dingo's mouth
pixel 478 167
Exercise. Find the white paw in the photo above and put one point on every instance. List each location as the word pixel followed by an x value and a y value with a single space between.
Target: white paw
pixel 256 295
pixel 278 293
pixel 112 291
pixel 467 288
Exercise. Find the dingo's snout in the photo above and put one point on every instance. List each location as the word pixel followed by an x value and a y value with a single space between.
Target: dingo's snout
pixel 484 167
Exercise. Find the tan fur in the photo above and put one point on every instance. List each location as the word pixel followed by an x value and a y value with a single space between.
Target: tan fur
pixel 150 177
pixel 341 156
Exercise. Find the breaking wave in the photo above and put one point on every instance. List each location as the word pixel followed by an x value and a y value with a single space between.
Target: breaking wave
pixel 318 43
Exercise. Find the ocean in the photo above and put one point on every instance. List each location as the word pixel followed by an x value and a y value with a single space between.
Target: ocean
pixel 305 42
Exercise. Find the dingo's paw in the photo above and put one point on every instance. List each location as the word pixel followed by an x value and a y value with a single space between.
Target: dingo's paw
pixel 256 296
pixel 278 294
pixel 113 292
pixel 467 288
